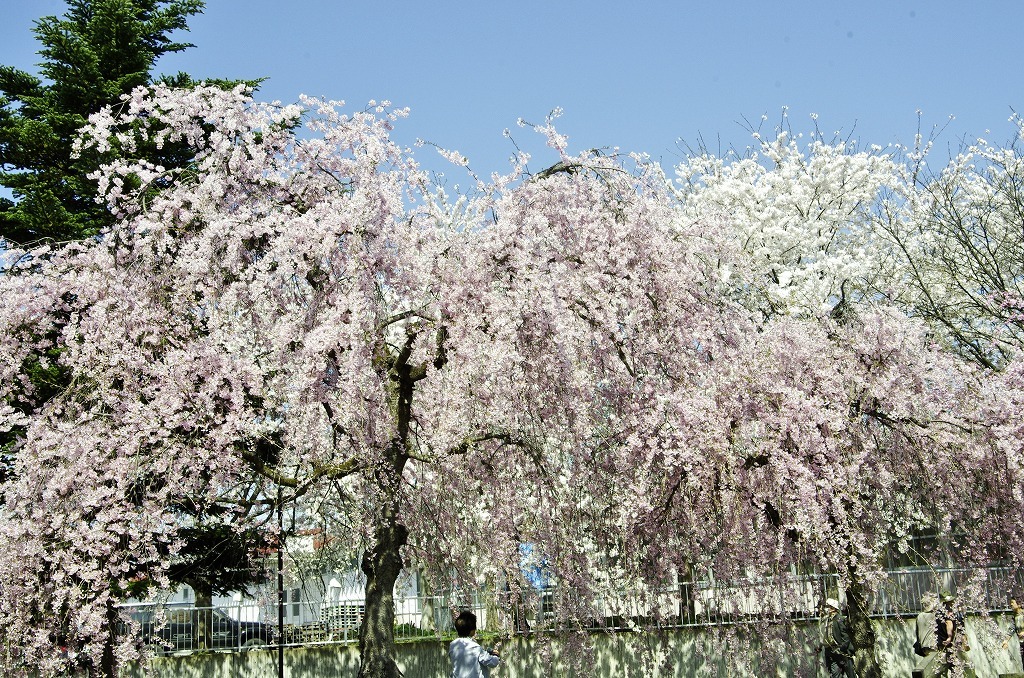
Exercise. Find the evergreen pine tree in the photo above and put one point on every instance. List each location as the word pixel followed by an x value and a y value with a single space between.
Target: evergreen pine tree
pixel 99 50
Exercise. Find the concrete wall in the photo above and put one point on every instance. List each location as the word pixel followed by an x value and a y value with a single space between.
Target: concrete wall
pixel 649 655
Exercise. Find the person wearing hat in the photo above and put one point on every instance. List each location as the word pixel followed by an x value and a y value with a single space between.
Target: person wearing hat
pixel 951 637
pixel 924 646
pixel 836 642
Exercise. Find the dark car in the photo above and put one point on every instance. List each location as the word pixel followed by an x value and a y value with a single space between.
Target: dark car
pixel 179 629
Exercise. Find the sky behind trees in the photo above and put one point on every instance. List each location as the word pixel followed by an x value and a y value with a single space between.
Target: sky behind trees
pixel 640 76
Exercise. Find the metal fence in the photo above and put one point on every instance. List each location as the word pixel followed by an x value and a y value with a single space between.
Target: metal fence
pixel 787 599
pixel 179 628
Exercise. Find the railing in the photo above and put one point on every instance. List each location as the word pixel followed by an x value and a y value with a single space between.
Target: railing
pixel 177 628
pixel 171 629
pixel 903 590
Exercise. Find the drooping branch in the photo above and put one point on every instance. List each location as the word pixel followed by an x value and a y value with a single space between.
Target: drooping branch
pixel 327 471
pixel 404 315
pixel 441 349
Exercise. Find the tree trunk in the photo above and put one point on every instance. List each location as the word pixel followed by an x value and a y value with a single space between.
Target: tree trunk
pixel 861 631
pixel 108 663
pixel 685 581
pixel 427 609
pixel 491 620
pixel 382 566
pixel 382 562
pixel 202 619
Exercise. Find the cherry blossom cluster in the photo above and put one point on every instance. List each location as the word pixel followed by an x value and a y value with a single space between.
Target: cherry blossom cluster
pixel 638 378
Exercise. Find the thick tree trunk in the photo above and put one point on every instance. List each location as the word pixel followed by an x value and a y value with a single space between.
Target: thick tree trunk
pixel 382 566
pixel 861 631
pixel 202 619
pixel 382 562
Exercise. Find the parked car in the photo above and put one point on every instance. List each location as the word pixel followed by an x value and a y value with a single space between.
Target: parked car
pixel 178 629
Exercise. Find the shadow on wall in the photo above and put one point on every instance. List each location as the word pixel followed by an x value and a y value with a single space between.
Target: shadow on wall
pixel 760 652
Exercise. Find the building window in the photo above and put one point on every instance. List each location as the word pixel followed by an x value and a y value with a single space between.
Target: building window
pixel 296 594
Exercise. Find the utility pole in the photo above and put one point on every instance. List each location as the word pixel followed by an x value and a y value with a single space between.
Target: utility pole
pixel 280 586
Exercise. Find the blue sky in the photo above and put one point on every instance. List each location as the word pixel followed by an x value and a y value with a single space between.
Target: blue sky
pixel 637 75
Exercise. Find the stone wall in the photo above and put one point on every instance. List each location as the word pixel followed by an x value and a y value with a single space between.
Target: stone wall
pixel 685 652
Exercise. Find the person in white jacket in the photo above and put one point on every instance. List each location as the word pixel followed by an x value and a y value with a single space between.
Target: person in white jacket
pixel 469 658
